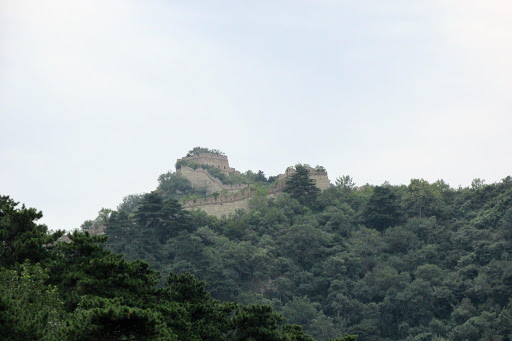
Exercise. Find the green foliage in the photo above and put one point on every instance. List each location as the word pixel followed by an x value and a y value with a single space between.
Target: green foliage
pixel 199 150
pixel 169 182
pixel 383 209
pixel 83 267
pixel 29 308
pixel 21 238
pixel 424 199
pixel 346 337
pixel 101 219
pixel 301 187
pixel 345 183
pixel 81 291
pixel 256 322
pixel 295 333
pixel 129 203
pixel 108 319
pixel 172 185
pixel 416 262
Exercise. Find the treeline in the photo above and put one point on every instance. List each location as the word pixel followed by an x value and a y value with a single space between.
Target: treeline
pixel 78 290
pixel 422 261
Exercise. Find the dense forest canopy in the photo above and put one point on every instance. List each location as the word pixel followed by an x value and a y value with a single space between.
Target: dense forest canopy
pixel 78 290
pixel 422 261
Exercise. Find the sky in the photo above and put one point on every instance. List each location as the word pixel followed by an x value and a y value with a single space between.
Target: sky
pixel 98 98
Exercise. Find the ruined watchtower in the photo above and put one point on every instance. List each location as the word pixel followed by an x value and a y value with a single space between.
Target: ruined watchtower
pixel 195 169
pixel 214 160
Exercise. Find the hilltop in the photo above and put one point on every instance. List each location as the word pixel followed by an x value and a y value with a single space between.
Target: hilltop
pixel 226 189
pixel 419 261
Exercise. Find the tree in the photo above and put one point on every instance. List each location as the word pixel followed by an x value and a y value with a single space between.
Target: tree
pixel 130 203
pixel 199 150
pixel 186 288
pixel 345 183
pixel 29 309
pixel 83 267
pixel 301 187
pixel 301 311
pixel 345 337
pixel 383 209
pixel 260 177
pixel 423 199
pixel 161 218
pixel 21 238
pixel 107 319
pixel 101 219
pixel 256 322
pixel 294 332
pixel 175 185
pixel 81 291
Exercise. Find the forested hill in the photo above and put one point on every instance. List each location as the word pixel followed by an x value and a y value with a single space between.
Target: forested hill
pixel 421 261
pixel 76 290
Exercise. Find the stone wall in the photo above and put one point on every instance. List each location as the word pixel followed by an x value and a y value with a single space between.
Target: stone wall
pixel 221 209
pixel 201 178
pixel 218 161
pixel 321 180
pixel 226 198
pixel 320 177
pixel 238 196
pixel 226 204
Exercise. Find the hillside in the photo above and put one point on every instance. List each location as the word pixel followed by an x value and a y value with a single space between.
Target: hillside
pixel 422 261
pixel 77 290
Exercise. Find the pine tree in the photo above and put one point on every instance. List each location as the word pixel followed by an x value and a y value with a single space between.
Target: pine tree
pixel 21 238
pixel 383 209
pixel 301 187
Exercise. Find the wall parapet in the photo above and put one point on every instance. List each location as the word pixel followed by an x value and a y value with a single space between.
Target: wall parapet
pixel 226 198
pixel 245 192
pixel 214 160
pixel 319 176
pixel 312 172
pixel 205 155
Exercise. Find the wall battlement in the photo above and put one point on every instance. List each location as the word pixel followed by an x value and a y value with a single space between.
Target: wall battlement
pixel 320 176
pixel 227 198
pixel 214 160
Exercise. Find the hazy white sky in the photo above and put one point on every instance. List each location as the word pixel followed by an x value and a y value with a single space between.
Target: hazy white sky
pixel 97 98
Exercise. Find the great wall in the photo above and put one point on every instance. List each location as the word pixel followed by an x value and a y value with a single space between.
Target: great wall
pixel 219 161
pixel 227 199
pixel 222 199
pixel 201 178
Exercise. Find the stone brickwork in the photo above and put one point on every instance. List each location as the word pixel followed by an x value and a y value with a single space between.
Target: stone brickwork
pixel 320 177
pixel 226 204
pixel 321 180
pixel 218 161
pixel 227 198
pixel 221 209
pixel 201 178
